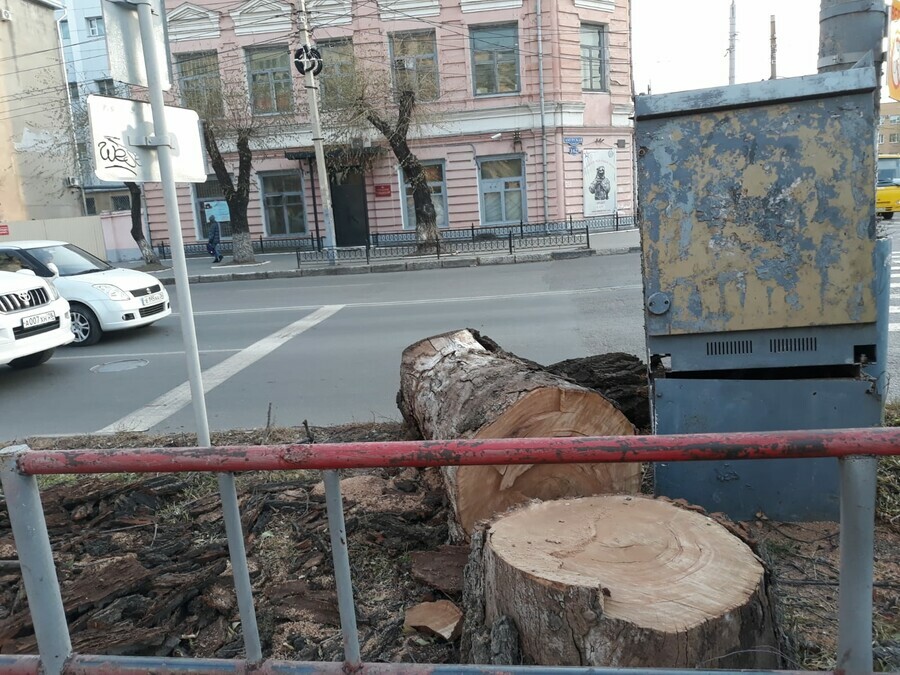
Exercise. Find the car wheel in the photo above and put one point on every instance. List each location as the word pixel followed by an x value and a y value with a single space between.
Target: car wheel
pixel 887 216
pixel 85 326
pixel 32 360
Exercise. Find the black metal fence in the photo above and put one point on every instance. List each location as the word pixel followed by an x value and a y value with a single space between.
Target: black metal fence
pixel 506 238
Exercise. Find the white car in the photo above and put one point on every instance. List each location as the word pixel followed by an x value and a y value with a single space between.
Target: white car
pixel 34 320
pixel 102 297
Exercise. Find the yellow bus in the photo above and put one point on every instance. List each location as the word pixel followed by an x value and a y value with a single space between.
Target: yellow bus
pixel 887 192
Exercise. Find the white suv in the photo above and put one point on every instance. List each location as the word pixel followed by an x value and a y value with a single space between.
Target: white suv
pixel 34 320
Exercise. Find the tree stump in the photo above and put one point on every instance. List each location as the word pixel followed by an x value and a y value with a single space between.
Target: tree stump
pixel 459 385
pixel 620 581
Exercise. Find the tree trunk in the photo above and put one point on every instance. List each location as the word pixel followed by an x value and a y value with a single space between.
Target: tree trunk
pixel 137 225
pixel 456 385
pixel 237 197
pixel 625 582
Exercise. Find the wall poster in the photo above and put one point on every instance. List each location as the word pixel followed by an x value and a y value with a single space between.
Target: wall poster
pixel 599 175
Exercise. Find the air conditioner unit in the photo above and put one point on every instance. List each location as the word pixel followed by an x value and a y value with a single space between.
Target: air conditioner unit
pixel 5 15
pixel 73 182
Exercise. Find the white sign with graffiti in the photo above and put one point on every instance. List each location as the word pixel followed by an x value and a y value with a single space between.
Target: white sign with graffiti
pixel 599 176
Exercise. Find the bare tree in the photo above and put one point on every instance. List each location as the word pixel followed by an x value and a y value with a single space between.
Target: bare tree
pixel 137 224
pixel 359 97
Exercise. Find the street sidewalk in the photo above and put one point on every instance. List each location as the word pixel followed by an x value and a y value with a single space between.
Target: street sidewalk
pixel 284 265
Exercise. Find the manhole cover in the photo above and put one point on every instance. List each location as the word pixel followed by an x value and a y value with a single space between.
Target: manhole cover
pixel 116 366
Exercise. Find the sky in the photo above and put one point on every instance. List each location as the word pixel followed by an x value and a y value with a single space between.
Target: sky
pixel 683 45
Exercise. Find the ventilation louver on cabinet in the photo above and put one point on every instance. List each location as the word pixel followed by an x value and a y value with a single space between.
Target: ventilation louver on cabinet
pixel 729 347
pixel 783 345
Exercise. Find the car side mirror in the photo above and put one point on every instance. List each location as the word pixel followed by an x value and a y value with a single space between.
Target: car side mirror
pixel 54 269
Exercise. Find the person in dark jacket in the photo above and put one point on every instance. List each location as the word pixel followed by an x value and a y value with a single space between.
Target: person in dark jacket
pixel 212 244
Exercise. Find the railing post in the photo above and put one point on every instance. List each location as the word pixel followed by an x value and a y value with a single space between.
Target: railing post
pixel 587 235
pixel 521 229
pixel 341 558
pixel 617 221
pixel 368 258
pixel 437 244
pixel 510 242
pixel 858 481
pixel 26 515
pixel 472 227
pixel 570 223
pixel 262 245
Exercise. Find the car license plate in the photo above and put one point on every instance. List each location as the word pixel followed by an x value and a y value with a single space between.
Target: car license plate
pixel 38 319
pixel 152 299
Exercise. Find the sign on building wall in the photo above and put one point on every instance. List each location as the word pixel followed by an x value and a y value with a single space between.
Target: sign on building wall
pixel 599 176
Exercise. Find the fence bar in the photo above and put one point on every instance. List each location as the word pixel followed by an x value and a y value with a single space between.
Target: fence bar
pixel 29 528
pixel 238 554
pixel 141 665
pixel 587 236
pixel 340 556
pixel 858 487
pixel 470 452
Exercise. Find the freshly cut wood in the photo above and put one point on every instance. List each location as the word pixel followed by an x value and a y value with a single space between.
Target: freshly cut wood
pixel 441 569
pixel 441 618
pixel 461 385
pixel 624 581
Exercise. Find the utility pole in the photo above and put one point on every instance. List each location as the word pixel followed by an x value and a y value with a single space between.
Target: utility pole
pixel 772 47
pixel 850 34
pixel 732 40
pixel 312 95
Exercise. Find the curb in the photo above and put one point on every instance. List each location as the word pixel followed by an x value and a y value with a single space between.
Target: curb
pixel 407 266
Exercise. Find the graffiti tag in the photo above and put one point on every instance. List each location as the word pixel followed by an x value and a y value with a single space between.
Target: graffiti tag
pixel 117 156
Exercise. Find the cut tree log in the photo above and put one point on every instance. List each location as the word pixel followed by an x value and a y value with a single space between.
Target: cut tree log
pixel 462 385
pixel 619 581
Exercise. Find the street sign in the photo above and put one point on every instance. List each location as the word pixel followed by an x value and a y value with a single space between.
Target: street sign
pixel 124 144
pixel 123 43
pixel 894 52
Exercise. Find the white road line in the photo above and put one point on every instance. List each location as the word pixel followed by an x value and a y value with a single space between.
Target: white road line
pixel 428 301
pixel 172 401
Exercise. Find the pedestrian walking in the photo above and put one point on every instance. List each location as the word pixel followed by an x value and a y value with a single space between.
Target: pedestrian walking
pixel 212 244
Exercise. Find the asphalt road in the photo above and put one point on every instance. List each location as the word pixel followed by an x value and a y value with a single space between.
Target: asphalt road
pixel 324 349
pixel 327 349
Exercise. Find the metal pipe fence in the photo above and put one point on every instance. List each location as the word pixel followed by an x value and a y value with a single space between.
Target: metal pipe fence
pixel 19 466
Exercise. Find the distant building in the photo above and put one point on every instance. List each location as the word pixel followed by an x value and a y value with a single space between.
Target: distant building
pixel 36 158
pixel 889 129
pixel 491 157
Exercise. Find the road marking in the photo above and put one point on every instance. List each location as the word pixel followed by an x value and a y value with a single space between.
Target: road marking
pixel 172 401
pixel 427 301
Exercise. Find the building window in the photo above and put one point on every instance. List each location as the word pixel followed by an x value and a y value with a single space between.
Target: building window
pixel 95 26
pixel 501 186
pixel 283 203
pixel 415 64
pixel 64 30
pixel 74 92
pixel 437 184
pixel 106 87
pixel 210 201
pixel 336 81
pixel 121 203
pixel 270 80
pixel 90 206
pixel 495 60
pixel 894 138
pixel 894 119
pixel 199 82
pixel 880 138
pixel 593 57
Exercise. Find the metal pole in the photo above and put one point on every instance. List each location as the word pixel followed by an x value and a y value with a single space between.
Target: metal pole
pixel 346 607
pixel 732 40
pixel 858 478
pixel 227 488
pixel 540 58
pixel 772 47
pixel 26 516
pixel 313 98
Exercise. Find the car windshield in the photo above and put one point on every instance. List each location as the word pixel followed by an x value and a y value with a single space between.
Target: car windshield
pixel 888 170
pixel 69 259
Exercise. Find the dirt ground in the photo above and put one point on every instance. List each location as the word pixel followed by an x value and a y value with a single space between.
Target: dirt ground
pixel 144 569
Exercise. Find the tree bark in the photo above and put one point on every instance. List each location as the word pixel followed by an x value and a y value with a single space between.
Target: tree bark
pixel 623 581
pixel 137 225
pixel 236 196
pixel 456 386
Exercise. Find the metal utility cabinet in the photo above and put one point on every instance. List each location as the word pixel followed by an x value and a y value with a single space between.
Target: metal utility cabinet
pixel 766 287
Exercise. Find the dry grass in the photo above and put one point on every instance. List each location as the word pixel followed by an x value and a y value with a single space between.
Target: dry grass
pixel 888 505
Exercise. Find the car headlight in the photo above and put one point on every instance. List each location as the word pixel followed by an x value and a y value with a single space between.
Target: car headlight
pixel 54 294
pixel 113 292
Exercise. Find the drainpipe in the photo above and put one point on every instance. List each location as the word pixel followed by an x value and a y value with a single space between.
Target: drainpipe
pixel 540 46
pixel 62 60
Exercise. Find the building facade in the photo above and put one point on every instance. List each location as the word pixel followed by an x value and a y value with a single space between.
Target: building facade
pixel 520 120
pixel 889 129
pixel 35 130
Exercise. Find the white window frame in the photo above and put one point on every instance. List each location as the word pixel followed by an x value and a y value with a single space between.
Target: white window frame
pixel 414 61
pixel 207 81
pixel 598 56
pixel 894 138
pixel 407 216
pixel 261 177
pixel 270 73
pixel 95 27
pixel 522 188
pixel 473 31
pixel 336 69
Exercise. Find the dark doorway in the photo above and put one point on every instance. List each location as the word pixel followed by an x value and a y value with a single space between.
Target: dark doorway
pixel 348 200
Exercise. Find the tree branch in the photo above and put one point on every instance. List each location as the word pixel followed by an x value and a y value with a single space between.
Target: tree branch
pixel 215 159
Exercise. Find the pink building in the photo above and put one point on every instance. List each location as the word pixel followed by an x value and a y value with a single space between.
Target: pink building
pixel 502 145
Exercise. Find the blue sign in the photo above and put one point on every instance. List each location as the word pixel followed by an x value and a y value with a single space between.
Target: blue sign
pixel 573 140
